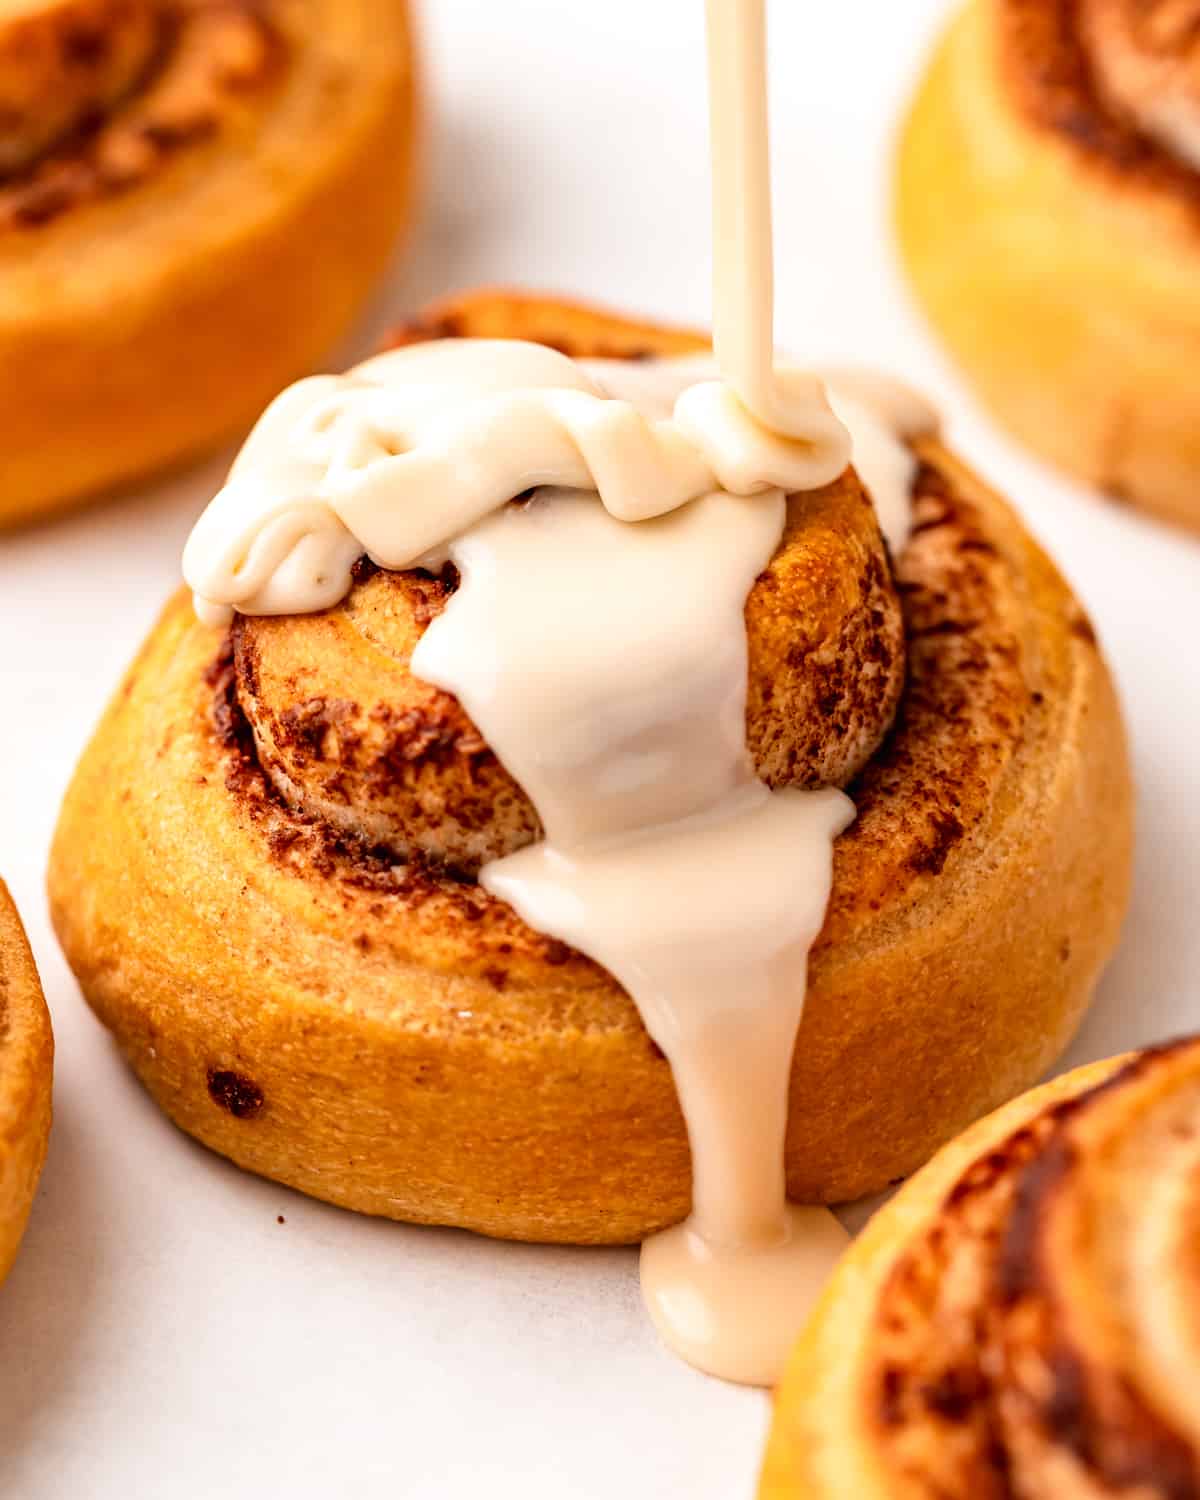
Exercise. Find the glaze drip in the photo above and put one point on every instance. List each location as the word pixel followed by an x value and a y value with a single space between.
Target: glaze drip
pixel 597 640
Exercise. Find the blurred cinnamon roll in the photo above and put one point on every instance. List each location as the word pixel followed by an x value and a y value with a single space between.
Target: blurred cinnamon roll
pixel 1048 208
pixel 195 197
pixel 26 1068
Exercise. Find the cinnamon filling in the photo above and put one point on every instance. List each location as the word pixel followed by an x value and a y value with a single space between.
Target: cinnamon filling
pixel 1145 61
pixel 1119 79
pixel 146 82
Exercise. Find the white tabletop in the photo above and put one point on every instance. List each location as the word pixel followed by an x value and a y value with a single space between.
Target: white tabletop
pixel 162 1334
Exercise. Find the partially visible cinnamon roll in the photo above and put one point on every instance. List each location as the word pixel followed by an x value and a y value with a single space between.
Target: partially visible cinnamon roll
pixel 264 872
pixel 195 197
pixel 1048 208
pixel 26 1068
pixel 1024 1317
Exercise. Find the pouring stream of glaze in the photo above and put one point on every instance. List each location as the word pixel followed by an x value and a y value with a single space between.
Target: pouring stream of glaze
pixel 597 640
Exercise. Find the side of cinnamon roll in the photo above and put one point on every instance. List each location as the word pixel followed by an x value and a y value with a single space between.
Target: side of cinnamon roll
pixel 195 197
pixel 26 1071
pixel 316 985
pixel 1048 209
pixel 1022 1318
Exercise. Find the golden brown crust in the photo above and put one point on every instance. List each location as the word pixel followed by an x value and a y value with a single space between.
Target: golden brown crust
pixel 401 1043
pixel 1049 215
pixel 201 237
pixel 26 1069
pixel 1024 1318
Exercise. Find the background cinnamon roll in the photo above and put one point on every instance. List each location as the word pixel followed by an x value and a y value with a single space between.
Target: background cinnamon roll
pixel 1048 208
pixel 1022 1318
pixel 315 985
pixel 26 1068
pixel 195 197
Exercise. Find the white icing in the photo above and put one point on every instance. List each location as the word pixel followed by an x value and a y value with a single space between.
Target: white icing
pixel 880 414
pixel 597 640
pixel 406 452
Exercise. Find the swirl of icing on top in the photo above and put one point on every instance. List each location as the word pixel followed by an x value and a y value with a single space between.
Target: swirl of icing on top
pixel 406 452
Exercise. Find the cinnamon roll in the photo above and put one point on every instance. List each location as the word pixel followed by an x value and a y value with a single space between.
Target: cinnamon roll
pixel 26 1069
pixel 264 875
pixel 1048 208
pixel 1022 1318
pixel 195 197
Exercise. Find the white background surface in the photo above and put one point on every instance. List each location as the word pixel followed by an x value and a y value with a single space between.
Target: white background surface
pixel 162 1334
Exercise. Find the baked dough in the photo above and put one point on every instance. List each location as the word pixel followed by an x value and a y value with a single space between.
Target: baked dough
pixel 388 1037
pixel 1021 1318
pixel 26 1071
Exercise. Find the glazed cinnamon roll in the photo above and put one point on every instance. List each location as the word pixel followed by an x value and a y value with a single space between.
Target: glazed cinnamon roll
pixel 265 871
pixel 195 197
pixel 26 1069
pixel 1022 1318
pixel 1048 207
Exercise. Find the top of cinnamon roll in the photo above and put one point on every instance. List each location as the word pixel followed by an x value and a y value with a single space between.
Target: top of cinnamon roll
pixel 1121 78
pixel 408 453
pixel 347 733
